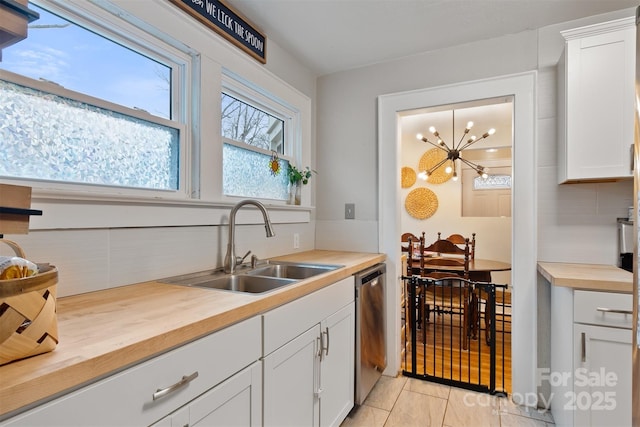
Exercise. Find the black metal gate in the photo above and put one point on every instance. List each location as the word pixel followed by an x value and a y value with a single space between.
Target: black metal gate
pixel 457 332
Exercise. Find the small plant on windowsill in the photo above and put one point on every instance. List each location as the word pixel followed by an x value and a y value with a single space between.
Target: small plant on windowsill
pixel 297 178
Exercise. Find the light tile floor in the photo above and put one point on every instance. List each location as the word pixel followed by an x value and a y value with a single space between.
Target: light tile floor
pixel 406 402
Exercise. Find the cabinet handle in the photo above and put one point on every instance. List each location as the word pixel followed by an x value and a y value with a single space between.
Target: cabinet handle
pixel 584 346
pixel 162 392
pixel 327 333
pixel 614 310
pixel 320 343
pixel 633 158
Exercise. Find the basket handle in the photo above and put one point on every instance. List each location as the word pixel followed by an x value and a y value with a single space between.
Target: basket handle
pixel 16 247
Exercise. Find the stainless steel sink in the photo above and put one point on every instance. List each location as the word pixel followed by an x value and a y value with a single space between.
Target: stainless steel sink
pixel 230 282
pixel 245 283
pixel 264 278
pixel 292 270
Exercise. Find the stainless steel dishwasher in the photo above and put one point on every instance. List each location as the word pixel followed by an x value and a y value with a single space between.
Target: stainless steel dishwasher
pixel 371 358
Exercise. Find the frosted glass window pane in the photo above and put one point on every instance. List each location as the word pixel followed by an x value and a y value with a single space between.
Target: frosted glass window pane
pixel 242 122
pixel 45 136
pixel 246 174
pixel 492 182
pixel 78 59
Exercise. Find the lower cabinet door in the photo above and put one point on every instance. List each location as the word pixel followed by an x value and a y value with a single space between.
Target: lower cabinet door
pixel 235 402
pixel 337 366
pixel 602 376
pixel 291 382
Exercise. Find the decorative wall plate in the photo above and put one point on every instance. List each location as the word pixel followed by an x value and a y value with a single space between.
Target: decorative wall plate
pixel 408 177
pixel 431 158
pixel 421 203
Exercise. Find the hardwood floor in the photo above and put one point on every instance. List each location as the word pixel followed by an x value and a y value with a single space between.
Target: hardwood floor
pixel 439 352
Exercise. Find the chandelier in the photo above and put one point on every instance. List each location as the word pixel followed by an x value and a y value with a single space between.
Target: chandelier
pixel 454 152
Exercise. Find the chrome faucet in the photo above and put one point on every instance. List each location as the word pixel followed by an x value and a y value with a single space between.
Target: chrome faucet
pixel 230 259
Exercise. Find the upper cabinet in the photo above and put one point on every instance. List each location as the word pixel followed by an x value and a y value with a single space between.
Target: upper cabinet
pixel 596 95
pixel 14 17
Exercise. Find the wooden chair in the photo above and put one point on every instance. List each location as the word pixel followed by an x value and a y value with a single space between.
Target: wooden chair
pixel 459 240
pixel 450 294
pixel 408 238
pixel 452 291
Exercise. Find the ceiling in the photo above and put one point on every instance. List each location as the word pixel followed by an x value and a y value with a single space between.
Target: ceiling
pixel 328 36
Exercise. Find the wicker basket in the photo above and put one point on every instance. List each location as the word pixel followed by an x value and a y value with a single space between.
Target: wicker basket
pixel 28 323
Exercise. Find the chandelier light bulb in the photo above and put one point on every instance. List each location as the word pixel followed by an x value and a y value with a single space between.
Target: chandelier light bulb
pixel 423 175
pixel 432 130
pixel 484 175
pixel 469 125
pixel 419 136
pixel 455 176
pixel 448 169
pixel 491 131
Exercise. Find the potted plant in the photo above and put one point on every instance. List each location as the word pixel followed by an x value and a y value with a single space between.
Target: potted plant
pixel 297 178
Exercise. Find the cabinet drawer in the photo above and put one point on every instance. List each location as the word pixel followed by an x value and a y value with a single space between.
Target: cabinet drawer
pixel 603 308
pixel 126 398
pixel 288 321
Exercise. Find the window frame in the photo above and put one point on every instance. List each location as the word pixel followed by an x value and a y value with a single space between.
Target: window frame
pixel 243 90
pixel 180 60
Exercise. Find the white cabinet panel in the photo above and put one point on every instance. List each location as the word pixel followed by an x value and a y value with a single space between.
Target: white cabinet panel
pixel 235 402
pixel 291 382
pixel 602 376
pixel 596 102
pixel 337 367
pixel 603 308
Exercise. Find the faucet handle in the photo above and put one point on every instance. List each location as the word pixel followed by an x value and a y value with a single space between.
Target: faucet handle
pixel 254 261
pixel 240 260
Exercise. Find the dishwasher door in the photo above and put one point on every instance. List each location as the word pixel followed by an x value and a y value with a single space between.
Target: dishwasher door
pixel 370 343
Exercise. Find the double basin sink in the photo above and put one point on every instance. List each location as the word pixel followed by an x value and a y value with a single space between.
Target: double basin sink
pixel 264 278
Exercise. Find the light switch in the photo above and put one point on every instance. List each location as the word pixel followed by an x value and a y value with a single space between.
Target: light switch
pixel 349 211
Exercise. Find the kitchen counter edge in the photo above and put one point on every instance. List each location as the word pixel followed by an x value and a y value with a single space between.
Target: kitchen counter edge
pixel 106 331
pixel 590 277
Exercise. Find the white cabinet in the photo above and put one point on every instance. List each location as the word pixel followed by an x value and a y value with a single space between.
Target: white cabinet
pixel 596 102
pixel 590 373
pixel 131 397
pixel 602 377
pixel 601 359
pixel 309 358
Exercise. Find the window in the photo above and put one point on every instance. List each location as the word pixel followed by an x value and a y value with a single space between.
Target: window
pixel 254 130
pixel 83 104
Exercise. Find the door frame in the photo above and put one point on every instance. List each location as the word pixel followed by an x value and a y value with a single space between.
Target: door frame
pixel 524 211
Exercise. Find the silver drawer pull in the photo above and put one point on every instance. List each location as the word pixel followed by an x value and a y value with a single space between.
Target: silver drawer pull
pixel 614 310
pixel 162 392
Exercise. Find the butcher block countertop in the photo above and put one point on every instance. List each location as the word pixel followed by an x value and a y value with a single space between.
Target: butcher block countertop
pixel 105 331
pixel 590 277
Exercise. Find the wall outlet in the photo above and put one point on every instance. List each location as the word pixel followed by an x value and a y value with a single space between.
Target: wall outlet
pixel 350 211
pixel 296 241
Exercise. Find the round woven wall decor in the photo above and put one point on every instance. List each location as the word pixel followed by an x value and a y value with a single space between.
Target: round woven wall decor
pixel 431 158
pixel 421 203
pixel 408 177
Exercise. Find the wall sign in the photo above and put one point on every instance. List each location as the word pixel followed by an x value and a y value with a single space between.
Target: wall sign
pixel 223 20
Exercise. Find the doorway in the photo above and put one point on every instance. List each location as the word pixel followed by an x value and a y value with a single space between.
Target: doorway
pixel 523 274
pixel 468 204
